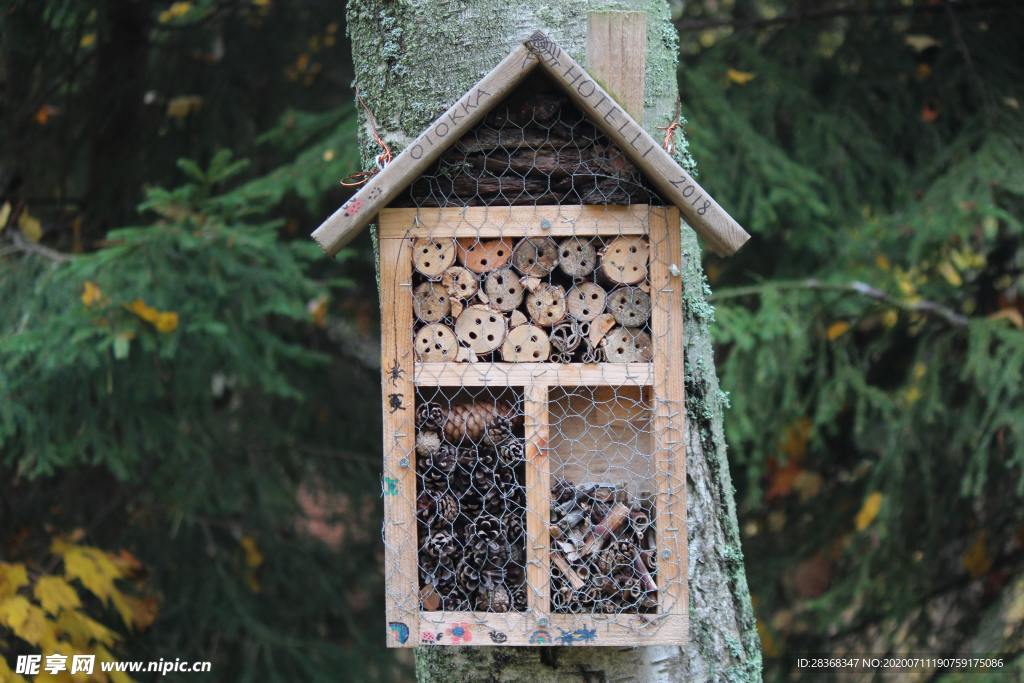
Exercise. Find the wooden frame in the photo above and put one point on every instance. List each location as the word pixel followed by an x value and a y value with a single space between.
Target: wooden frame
pixel 722 233
pixel 407 625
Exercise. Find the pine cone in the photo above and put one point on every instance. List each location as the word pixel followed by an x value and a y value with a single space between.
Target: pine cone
pixel 496 599
pixel 470 420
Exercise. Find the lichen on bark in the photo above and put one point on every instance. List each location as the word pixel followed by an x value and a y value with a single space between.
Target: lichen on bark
pixel 413 59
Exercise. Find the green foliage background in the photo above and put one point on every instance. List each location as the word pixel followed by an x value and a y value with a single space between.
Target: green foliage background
pixel 869 335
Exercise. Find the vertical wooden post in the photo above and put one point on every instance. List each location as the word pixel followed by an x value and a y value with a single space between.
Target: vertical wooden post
pixel 538 498
pixel 616 55
pixel 401 576
pixel 669 410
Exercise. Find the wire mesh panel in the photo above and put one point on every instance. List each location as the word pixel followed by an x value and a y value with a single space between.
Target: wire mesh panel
pixel 532 347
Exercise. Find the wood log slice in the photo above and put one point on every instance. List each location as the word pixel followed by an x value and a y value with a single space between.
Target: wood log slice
pixel 431 257
pixel 516 318
pixel 599 327
pixel 546 305
pixel 586 301
pixel 504 291
pixel 460 282
pixel 526 344
pixel 626 345
pixel 481 329
pixel 483 256
pixel 577 257
pixel 436 343
pixel 430 302
pixel 624 260
pixel 535 256
pixel 631 306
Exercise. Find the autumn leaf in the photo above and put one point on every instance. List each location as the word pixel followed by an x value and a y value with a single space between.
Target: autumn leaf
pixel 318 310
pixel 27 621
pixel 740 77
pixel 976 559
pixel 137 613
pixel 91 566
pixel 1010 314
pixel 890 317
pixel 55 594
pixel 143 310
pixel 949 272
pixel 920 43
pixel 5 213
pixel 183 105
pixel 868 510
pixel 930 112
pixel 253 556
pixel 87 40
pixel 175 11
pixel 30 226
pixel 44 114
pixel 91 293
pixel 166 322
pixel 12 577
pixel 837 330
pixel 83 630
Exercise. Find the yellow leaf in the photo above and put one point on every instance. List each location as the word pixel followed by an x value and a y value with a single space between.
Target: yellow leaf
pixel 83 630
pixel 91 293
pixel 740 77
pixel 837 330
pixel 6 674
pixel 27 621
pixel 948 271
pixel 176 10
pixel 261 3
pixel 12 577
pixel 912 395
pixel 919 370
pixel 143 310
pixel 87 40
pixel 882 261
pixel 137 613
pixel 183 105
pixel 328 155
pixel 55 594
pixel 868 511
pixel 105 655
pixel 808 485
pixel 253 556
pixel 92 567
pixel 890 317
pixel 976 559
pixel 920 43
pixel 30 226
pixel 5 213
pixel 166 322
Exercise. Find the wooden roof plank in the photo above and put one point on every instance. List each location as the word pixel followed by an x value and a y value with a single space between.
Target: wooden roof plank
pixel 355 214
pixel 721 232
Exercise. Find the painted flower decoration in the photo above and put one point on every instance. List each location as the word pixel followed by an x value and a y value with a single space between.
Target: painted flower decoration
pixel 460 633
pixel 352 206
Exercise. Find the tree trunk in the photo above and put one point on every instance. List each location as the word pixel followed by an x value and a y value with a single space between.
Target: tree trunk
pixel 412 61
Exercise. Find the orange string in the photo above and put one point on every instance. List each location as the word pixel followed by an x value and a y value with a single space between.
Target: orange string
pixel 669 143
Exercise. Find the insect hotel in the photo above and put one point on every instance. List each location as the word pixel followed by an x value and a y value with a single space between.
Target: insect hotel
pixel 532 365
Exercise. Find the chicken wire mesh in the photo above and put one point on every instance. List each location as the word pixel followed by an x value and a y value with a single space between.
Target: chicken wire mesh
pixel 500 307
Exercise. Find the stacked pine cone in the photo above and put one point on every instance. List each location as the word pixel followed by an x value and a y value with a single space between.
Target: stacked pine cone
pixel 471 507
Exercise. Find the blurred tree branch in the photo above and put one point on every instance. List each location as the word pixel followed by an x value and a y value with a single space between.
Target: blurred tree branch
pixel 855 287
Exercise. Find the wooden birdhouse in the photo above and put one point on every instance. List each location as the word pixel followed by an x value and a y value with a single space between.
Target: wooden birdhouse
pixel 532 352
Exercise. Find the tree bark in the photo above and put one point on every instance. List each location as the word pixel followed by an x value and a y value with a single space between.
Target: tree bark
pixel 413 60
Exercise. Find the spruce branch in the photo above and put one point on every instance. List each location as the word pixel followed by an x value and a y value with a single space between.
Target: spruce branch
pixel 854 287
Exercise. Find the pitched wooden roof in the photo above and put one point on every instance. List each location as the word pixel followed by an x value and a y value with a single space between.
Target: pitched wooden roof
pixel 722 234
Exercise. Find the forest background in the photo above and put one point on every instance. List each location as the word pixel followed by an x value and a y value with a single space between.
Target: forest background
pixel 180 474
